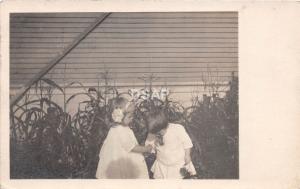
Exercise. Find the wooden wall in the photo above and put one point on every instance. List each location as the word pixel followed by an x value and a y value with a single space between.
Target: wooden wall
pixel 180 49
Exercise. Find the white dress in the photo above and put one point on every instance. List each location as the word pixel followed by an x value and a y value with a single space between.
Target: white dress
pixel 116 161
pixel 170 156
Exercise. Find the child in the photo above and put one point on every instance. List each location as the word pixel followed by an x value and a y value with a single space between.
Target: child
pixel 121 156
pixel 173 147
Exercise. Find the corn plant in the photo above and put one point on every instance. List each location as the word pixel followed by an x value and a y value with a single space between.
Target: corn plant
pixel 47 142
pixel 43 143
pixel 214 123
pixel 92 122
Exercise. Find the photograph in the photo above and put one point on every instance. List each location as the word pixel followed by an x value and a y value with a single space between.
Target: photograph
pixel 124 95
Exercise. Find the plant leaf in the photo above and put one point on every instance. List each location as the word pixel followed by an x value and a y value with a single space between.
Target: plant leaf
pixel 76 94
pixel 52 83
pixel 74 83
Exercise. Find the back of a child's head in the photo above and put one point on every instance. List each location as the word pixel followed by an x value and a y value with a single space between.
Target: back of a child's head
pixel 119 109
pixel 156 121
pixel 119 103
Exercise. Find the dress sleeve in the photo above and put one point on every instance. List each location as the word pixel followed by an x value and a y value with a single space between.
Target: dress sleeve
pixel 128 140
pixel 184 137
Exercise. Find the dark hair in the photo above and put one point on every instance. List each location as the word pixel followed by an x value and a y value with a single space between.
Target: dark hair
pixel 156 121
pixel 118 102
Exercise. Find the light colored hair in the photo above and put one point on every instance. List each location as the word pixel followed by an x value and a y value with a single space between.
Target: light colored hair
pixel 119 106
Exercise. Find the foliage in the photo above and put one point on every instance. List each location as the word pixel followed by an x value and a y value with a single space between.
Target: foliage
pixel 47 142
pixel 213 122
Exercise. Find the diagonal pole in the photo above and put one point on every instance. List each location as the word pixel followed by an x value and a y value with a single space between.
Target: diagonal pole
pixel 57 59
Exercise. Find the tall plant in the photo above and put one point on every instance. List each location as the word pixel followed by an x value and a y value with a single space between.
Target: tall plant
pixel 43 143
pixel 214 122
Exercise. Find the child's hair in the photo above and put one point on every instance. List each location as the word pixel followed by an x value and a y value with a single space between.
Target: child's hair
pixel 118 106
pixel 119 102
pixel 156 121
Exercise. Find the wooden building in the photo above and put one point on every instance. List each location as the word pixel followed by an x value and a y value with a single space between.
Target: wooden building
pixel 183 51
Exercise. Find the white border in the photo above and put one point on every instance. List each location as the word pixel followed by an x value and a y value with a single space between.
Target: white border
pixel 269 70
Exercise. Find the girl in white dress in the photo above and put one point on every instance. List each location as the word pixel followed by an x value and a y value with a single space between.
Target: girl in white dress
pixel 172 147
pixel 120 156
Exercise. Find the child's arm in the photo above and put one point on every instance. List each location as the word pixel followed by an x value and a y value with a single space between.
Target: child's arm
pixel 187 145
pixel 187 156
pixel 142 149
pixel 188 162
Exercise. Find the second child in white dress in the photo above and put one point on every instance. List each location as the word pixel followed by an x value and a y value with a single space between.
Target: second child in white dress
pixel 172 147
pixel 121 156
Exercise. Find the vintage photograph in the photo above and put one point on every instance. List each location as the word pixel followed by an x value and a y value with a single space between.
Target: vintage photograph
pixel 124 95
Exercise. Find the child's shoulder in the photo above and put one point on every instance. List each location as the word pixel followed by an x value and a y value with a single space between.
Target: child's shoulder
pixel 176 126
pixel 116 128
pixel 121 128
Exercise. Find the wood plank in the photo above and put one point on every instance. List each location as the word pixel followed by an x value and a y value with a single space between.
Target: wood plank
pixel 138 30
pixel 126 14
pixel 46 30
pixel 175 14
pixel 127 75
pixel 148 39
pixel 131 83
pixel 121 60
pixel 37 66
pixel 181 85
pixel 195 22
pixel 129 35
pixel 67 28
pixel 128 19
pixel 168 30
pixel 44 35
pixel 128 70
pixel 169 25
pixel 58 14
pixel 47 43
pixel 22 53
pixel 119 51
pixel 129 55
pixel 199 20
pixel 163 35
pixel 60 19
pixel 153 55
pixel 15 41
pixel 50 25
pixel 55 47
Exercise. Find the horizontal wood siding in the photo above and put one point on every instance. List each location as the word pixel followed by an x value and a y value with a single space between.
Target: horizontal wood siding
pixel 180 49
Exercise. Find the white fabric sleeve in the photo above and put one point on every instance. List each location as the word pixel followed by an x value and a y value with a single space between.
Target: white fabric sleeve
pixel 184 137
pixel 128 140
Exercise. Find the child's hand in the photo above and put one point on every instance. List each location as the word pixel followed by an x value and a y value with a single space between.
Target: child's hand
pixel 190 169
pixel 149 148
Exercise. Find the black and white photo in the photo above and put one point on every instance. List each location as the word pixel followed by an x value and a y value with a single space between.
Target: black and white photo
pixel 124 95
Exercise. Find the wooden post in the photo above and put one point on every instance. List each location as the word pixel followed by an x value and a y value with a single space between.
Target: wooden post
pixel 57 59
